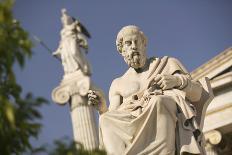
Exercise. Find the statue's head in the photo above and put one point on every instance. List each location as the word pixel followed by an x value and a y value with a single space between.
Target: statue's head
pixel 131 44
pixel 65 18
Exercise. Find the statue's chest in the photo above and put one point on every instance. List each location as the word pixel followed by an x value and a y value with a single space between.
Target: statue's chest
pixel 129 87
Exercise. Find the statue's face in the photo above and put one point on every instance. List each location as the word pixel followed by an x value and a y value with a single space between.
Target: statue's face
pixel 134 50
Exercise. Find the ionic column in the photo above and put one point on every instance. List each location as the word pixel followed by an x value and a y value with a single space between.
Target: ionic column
pixel 73 90
pixel 212 138
pixel 84 123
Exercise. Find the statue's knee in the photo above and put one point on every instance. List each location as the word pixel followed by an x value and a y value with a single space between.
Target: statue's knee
pixel 165 103
pixel 160 100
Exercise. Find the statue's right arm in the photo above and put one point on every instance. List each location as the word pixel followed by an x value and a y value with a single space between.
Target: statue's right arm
pixel 114 97
pixel 57 53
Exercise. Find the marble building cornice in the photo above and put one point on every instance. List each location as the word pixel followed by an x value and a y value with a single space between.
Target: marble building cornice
pixel 215 66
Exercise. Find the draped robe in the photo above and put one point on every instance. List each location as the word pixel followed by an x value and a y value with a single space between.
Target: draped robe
pixel 70 52
pixel 140 130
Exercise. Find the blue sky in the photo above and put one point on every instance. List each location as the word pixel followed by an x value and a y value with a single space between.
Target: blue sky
pixel 193 31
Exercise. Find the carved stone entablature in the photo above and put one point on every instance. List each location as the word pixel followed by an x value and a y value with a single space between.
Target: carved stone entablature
pixel 73 83
pixel 215 66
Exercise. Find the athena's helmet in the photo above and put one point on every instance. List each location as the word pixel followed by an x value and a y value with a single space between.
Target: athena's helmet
pixel 65 18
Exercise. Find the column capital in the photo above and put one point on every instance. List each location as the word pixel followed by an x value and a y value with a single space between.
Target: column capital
pixel 213 137
pixel 73 84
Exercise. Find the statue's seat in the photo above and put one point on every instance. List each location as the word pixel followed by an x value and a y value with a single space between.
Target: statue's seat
pixel 206 97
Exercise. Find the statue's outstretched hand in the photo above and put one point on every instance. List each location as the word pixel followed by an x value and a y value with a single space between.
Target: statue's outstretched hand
pixel 93 98
pixel 167 81
pixel 96 98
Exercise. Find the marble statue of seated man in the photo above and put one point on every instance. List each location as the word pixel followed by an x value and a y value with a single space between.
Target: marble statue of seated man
pixel 151 107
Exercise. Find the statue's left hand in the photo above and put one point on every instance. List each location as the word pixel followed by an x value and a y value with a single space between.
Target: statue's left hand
pixel 97 99
pixel 93 98
pixel 167 81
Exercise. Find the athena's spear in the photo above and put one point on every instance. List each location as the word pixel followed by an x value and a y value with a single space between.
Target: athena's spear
pixel 38 40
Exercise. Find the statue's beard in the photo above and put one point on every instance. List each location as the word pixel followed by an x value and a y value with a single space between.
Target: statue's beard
pixel 135 60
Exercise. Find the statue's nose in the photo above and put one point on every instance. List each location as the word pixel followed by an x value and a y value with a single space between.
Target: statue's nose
pixel 134 46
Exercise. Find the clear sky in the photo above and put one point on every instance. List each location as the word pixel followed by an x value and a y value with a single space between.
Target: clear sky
pixel 193 31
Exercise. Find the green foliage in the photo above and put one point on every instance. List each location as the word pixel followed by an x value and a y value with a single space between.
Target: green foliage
pixel 18 115
pixel 65 147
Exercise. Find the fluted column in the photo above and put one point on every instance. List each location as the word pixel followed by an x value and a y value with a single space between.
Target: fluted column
pixel 84 124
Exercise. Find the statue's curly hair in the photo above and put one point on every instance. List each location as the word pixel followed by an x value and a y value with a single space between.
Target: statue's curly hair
pixel 130 29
